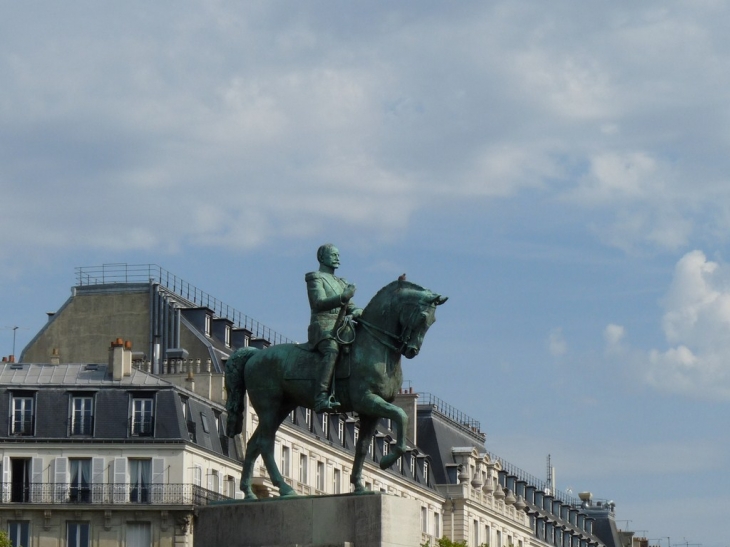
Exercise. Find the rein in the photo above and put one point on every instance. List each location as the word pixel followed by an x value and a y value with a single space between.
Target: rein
pixel 370 328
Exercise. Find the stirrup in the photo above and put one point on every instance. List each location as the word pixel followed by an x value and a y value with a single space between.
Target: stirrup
pixel 325 402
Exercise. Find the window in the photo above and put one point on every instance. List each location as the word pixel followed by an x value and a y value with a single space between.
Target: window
pixel 424 520
pixel 336 481
pixel 413 465
pixel 326 425
pixel 386 447
pixel 82 415
pixel 230 487
pixel 19 532
pixel 214 481
pixel 80 483
pixel 425 472
pixel 341 430
pixel 475 533
pixel 487 534
pixel 140 478
pixel 499 538
pixel 204 419
pixel 197 475
pixel 308 418
pixel 356 434
pixel 436 525
pixel 303 469
pixel 320 476
pixel 285 461
pixel 207 324
pixel 77 534
pixel 22 423
pixel 139 534
pixel 142 417
pixel 227 336
pixel 371 446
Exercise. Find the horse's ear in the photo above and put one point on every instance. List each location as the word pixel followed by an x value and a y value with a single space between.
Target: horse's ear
pixel 438 299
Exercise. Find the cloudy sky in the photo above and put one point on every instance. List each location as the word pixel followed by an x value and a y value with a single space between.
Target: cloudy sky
pixel 560 170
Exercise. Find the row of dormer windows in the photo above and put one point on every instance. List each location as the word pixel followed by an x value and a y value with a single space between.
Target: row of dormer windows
pixel 23 415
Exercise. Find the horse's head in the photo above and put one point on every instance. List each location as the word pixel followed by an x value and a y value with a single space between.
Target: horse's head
pixel 403 312
pixel 416 315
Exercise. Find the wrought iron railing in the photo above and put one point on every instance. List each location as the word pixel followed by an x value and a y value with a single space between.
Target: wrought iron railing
pixel 66 493
pixel 145 273
pixel 449 411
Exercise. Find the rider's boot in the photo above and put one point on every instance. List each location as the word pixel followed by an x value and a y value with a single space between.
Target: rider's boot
pixel 324 402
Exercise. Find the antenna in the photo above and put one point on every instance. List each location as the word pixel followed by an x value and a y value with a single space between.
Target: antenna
pixel 550 476
pixel 15 330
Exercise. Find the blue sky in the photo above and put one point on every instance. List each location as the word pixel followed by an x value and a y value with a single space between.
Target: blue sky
pixel 559 170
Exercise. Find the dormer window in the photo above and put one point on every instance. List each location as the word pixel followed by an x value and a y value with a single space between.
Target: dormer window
pixel 142 417
pixel 23 415
pixel 82 415
pixel 228 336
pixel 207 324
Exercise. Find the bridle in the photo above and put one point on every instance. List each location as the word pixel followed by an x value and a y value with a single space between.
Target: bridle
pixel 402 339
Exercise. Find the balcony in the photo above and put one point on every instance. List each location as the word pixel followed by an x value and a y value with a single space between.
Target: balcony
pixel 108 494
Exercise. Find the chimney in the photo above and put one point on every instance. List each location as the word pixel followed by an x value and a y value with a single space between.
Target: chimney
pixel 127 358
pixel 55 357
pixel 408 402
pixel 116 357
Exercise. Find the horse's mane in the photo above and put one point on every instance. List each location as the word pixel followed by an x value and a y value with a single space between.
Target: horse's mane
pixel 392 287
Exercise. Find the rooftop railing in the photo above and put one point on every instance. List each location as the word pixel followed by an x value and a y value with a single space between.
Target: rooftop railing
pixel 464 420
pixel 449 411
pixel 152 273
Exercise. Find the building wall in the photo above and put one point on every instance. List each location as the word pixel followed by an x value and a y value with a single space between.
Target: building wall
pixel 88 322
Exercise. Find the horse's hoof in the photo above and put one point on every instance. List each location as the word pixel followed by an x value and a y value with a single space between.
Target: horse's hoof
pixel 250 496
pixel 287 492
pixel 388 460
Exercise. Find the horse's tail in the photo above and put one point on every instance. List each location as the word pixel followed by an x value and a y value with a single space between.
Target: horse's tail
pixel 236 389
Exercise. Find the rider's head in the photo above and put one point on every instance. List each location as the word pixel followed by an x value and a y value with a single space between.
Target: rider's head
pixel 328 255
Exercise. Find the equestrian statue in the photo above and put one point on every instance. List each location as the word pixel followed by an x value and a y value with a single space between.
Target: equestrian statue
pixel 351 363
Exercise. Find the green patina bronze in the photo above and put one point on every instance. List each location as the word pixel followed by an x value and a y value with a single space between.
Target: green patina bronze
pixel 286 376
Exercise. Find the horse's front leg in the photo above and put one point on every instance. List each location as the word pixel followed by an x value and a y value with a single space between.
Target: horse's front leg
pixel 375 405
pixel 367 428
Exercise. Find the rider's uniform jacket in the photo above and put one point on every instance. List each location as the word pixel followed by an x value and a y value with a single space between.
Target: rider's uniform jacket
pixel 325 293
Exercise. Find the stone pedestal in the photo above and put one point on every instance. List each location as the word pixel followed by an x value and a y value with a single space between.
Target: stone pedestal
pixel 370 520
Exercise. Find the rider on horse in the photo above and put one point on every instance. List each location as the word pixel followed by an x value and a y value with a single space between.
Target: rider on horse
pixel 327 294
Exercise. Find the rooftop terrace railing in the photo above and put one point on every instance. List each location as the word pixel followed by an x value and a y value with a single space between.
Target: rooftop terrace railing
pixel 463 419
pixel 539 484
pixel 152 273
pixel 449 411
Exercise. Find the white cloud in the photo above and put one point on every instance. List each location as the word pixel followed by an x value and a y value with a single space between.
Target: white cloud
pixel 556 343
pixel 613 335
pixel 696 324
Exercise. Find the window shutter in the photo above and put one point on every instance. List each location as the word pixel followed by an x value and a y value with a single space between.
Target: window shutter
pixel 97 480
pixel 5 487
pixel 36 479
pixel 59 478
pixel 119 478
pixel 158 479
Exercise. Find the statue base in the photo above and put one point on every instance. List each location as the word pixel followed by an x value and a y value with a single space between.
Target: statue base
pixel 369 520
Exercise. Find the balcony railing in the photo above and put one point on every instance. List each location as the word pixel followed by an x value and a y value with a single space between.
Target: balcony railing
pixel 117 494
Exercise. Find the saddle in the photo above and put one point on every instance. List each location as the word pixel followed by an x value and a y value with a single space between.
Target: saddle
pixel 304 363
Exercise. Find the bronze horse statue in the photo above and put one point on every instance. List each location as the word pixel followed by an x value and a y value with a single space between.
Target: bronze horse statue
pixel 394 323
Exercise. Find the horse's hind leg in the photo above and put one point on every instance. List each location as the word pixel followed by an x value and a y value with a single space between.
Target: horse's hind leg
pixel 367 428
pixel 252 452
